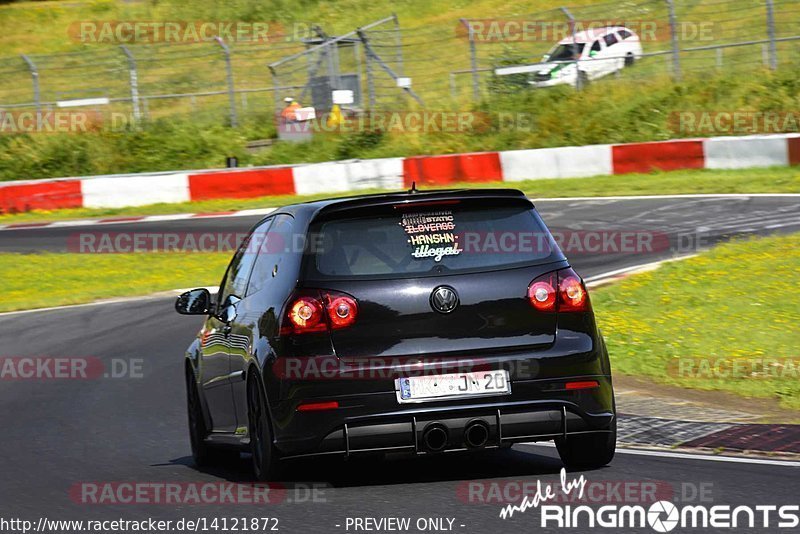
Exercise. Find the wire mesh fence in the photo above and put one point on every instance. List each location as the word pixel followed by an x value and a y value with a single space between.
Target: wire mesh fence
pixel 677 38
pixel 367 63
pixel 385 65
pixel 208 80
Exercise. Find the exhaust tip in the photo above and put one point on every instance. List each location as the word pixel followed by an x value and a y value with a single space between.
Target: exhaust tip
pixel 476 434
pixel 435 438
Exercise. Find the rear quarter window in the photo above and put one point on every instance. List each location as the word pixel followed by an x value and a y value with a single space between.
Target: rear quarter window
pixel 430 242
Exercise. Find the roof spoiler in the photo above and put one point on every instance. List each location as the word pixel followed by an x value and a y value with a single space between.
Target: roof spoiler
pixel 420 197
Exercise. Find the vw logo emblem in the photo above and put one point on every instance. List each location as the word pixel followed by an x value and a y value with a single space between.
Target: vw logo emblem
pixel 444 299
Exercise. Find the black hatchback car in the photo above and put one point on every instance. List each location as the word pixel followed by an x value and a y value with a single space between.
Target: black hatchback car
pixel 419 321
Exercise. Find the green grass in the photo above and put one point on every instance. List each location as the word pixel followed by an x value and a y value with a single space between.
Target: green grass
pixel 44 28
pixel 41 27
pixel 635 107
pixel 607 112
pixel 767 180
pixel 732 305
pixel 62 279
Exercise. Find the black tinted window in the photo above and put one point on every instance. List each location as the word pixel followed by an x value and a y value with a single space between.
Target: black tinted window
pixel 624 34
pixel 610 39
pixel 432 241
pixel 268 247
pixel 237 274
pixel 566 52
pixel 596 46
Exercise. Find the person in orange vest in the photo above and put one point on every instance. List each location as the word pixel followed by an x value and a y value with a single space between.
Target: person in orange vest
pixel 289 113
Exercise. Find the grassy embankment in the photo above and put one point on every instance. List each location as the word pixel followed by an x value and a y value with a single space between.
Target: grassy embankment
pixel 638 106
pixel 725 320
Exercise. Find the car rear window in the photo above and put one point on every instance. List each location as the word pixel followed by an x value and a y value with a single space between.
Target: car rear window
pixel 433 241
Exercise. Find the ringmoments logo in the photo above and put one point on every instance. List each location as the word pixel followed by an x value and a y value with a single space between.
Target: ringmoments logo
pixel 660 516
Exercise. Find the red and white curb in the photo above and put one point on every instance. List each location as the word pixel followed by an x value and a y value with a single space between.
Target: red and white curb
pixel 397 173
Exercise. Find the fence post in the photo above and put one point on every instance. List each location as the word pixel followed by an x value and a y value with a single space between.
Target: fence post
pixel 398 44
pixel 370 75
pixel 673 29
pixel 331 52
pixel 134 82
pixel 229 75
pixel 579 80
pixel 37 97
pixel 773 47
pixel 275 86
pixel 473 59
pixel 312 69
pixel 382 64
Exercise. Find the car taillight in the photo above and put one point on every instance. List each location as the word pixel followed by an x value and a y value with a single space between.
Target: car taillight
pixel 542 292
pixel 320 311
pixel 561 291
pixel 305 314
pixel 342 310
pixel 572 295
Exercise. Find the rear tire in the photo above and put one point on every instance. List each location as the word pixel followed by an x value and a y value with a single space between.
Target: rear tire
pixel 588 451
pixel 265 456
pixel 202 454
pixel 630 59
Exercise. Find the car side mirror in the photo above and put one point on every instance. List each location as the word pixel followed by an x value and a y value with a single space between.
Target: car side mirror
pixel 228 312
pixel 194 302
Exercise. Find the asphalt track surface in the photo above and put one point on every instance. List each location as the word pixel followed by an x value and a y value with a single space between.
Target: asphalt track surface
pixel 61 433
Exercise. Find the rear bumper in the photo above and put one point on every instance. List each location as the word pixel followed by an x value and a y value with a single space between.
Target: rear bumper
pixel 536 410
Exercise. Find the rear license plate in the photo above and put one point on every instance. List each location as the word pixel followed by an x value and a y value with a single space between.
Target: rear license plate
pixel 450 386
